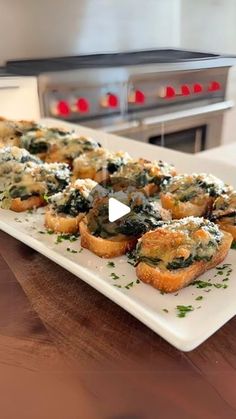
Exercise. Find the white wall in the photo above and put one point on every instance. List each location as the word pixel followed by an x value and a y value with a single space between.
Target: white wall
pixel 43 28
pixel 210 25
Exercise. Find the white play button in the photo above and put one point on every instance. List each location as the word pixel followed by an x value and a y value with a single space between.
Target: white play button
pixel 116 209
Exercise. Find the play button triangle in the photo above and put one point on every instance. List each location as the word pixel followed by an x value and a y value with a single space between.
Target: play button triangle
pixel 116 209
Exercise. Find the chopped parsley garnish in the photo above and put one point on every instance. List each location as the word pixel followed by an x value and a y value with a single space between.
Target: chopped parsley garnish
pixel 233 245
pixel 50 232
pixel 110 264
pixel 202 284
pixel 128 286
pixel 224 286
pixel 71 250
pixel 62 237
pixel 17 220
pixel 183 310
pixel 132 257
pixel 200 297
pixel 225 270
pixel 165 310
pixel 114 276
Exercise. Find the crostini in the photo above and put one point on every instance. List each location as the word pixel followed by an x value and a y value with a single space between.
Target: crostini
pixel 99 164
pixel 25 180
pixel 177 252
pixel 224 213
pixel 147 175
pixel 67 208
pixel 69 147
pixel 186 195
pixel 11 131
pixel 110 239
pixel 48 143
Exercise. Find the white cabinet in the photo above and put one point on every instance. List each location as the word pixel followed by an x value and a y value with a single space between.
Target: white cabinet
pixel 19 97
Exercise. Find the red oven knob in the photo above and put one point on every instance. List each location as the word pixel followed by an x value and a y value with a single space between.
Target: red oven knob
pixel 82 105
pixel 62 108
pixel 136 97
pixel 109 101
pixel 112 100
pixel 214 86
pixel 197 88
pixel 169 92
pixel 139 97
pixel 185 90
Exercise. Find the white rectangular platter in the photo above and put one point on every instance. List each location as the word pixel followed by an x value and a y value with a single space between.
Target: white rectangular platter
pixel 213 305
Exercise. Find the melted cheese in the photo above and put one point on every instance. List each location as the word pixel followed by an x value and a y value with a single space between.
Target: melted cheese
pixel 174 240
pixel 23 175
pixel 99 159
pixel 194 187
pixel 135 168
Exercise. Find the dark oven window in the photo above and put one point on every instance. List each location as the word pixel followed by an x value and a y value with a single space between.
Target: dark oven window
pixel 188 141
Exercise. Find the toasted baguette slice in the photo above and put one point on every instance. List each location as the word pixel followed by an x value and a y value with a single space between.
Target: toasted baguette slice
pixel 20 205
pixel 180 209
pixel 230 228
pixel 105 248
pixel 62 223
pixel 172 281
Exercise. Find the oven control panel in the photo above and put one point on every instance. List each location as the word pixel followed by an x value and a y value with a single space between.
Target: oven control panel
pixel 77 102
pixel 155 91
pixel 137 92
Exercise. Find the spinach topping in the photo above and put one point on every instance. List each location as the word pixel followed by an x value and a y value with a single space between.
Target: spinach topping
pixel 149 260
pixel 20 192
pixel 188 196
pixel 179 263
pixel 36 147
pixel 112 167
pixel 210 188
pixel 141 219
pixel 75 204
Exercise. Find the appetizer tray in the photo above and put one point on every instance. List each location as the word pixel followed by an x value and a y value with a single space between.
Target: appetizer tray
pixel 185 319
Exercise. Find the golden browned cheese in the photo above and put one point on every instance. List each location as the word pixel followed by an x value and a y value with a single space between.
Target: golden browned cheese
pixel 94 164
pixel 172 281
pixel 187 195
pixel 224 212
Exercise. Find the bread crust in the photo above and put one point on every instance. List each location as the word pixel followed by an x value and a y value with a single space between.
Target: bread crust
pixel 230 228
pixel 105 248
pixel 185 209
pixel 172 281
pixel 60 223
pixel 20 205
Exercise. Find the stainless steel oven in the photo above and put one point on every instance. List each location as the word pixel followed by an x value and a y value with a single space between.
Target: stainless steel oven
pixel 189 131
pixel 173 98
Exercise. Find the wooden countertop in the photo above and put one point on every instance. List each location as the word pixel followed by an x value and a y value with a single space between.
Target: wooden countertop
pixel 67 352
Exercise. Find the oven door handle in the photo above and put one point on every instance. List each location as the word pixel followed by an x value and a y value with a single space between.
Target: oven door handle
pixel 208 109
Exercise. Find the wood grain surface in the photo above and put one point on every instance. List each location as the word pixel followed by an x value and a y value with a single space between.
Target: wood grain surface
pixel 68 352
